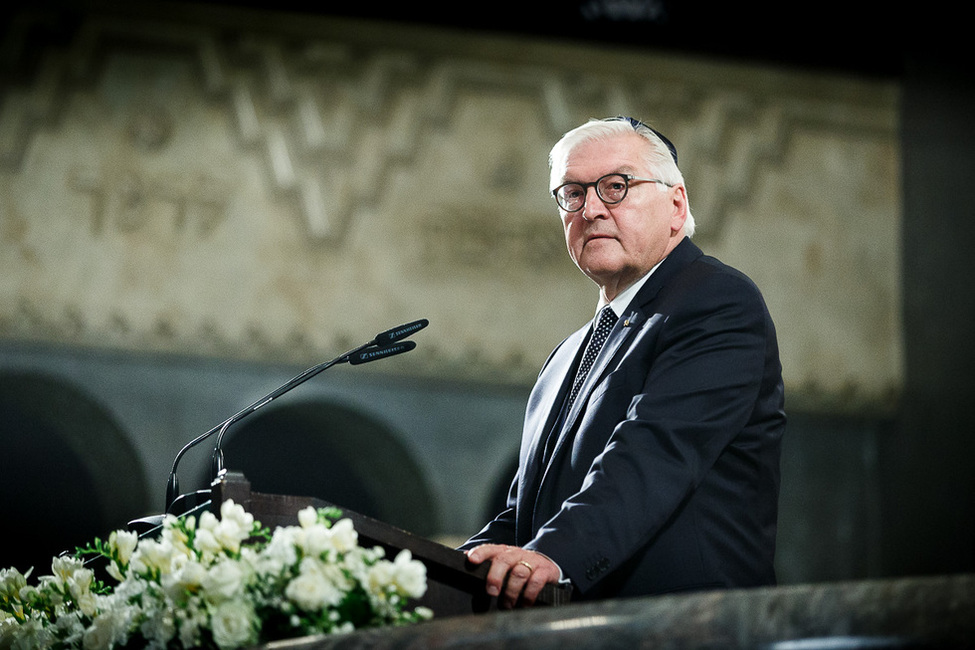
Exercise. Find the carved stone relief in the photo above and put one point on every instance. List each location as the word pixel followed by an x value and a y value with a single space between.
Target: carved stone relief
pixel 282 191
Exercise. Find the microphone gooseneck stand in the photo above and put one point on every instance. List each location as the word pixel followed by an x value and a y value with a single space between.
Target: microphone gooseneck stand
pixel 385 344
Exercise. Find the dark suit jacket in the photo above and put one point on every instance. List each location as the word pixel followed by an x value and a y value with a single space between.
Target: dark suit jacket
pixel 665 473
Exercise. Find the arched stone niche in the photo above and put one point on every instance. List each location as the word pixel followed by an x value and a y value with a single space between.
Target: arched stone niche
pixel 335 453
pixel 68 472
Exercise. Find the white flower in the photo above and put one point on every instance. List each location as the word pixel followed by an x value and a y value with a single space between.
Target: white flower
pixel 280 553
pixel 209 577
pixel 69 628
pixel 69 579
pixel 106 630
pixel 122 543
pixel 317 585
pixel 32 634
pixel 410 576
pixel 10 628
pixel 234 624
pixel 308 592
pixel 236 525
pixel 113 570
pixel 187 580
pixel 344 536
pixel 307 517
pixel 230 511
pixel 51 586
pixel 11 582
pixel 79 586
pixel 191 619
pixel 64 567
pixel 314 540
pixel 27 593
pixel 206 542
pixel 159 625
pixel 176 536
pixel 227 533
pixel 224 580
pixel 155 557
pixel 379 576
pixel 317 538
pixel 404 576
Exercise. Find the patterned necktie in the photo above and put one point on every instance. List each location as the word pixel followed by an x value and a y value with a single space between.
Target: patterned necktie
pixel 606 321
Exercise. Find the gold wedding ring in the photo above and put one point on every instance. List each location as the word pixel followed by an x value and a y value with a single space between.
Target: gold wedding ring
pixel 526 565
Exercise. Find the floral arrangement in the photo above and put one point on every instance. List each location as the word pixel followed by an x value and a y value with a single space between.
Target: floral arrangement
pixel 213 583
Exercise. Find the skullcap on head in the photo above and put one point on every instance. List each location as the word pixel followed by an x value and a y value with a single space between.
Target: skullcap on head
pixel 637 123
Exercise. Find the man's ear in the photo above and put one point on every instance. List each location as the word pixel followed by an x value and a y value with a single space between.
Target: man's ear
pixel 679 203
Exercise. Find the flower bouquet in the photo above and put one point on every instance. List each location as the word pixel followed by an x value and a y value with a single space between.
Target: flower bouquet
pixel 213 583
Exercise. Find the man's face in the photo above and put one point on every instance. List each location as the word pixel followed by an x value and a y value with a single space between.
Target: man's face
pixel 615 245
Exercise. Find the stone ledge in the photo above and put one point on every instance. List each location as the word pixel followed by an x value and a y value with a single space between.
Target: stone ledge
pixel 927 612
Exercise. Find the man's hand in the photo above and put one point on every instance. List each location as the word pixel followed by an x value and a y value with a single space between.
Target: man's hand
pixel 516 575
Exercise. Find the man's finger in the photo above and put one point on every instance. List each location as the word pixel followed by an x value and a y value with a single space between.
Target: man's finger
pixel 532 588
pixel 518 576
pixel 515 576
pixel 485 552
pixel 498 573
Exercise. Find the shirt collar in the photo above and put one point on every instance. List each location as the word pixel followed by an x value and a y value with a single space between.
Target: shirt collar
pixel 620 302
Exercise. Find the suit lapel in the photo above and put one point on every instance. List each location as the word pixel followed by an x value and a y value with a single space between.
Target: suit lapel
pixel 629 328
pixel 620 334
pixel 544 412
pixel 553 385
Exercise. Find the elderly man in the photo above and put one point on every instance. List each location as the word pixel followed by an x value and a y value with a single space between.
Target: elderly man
pixel 649 460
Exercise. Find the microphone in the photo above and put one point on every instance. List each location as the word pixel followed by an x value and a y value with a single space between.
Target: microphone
pixel 401 332
pixel 380 347
pixel 354 359
pixel 373 354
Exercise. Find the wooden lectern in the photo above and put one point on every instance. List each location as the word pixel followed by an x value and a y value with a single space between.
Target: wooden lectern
pixel 454 586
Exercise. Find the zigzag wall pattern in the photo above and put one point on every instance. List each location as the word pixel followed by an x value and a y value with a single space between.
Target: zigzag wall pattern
pixel 334 114
pixel 276 99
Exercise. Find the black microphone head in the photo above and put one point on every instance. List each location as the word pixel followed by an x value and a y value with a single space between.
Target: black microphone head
pixel 217 463
pixel 372 354
pixel 172 489
pixel 401 332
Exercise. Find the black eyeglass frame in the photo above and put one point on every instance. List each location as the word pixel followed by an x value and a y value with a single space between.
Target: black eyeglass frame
pixel 627 179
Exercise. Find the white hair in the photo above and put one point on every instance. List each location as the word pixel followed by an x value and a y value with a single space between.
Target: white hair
pixel 660 158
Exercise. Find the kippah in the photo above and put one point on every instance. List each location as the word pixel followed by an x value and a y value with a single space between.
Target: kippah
pixel 637 123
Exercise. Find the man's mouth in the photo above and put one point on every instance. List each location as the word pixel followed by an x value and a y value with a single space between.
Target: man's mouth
pixel 596 236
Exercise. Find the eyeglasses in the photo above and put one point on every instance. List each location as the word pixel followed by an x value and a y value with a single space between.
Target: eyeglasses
pixel 611 189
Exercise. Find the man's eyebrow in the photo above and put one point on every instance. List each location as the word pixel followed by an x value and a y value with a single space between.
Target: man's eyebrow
pixel 622 169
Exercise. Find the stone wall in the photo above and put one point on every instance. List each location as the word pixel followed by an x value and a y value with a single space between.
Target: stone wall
pixel 277 188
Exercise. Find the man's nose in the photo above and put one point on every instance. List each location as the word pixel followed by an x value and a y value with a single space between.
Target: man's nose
pixel 593 208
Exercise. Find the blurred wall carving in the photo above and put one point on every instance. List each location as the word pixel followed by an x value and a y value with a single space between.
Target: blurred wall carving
pixel 218 183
